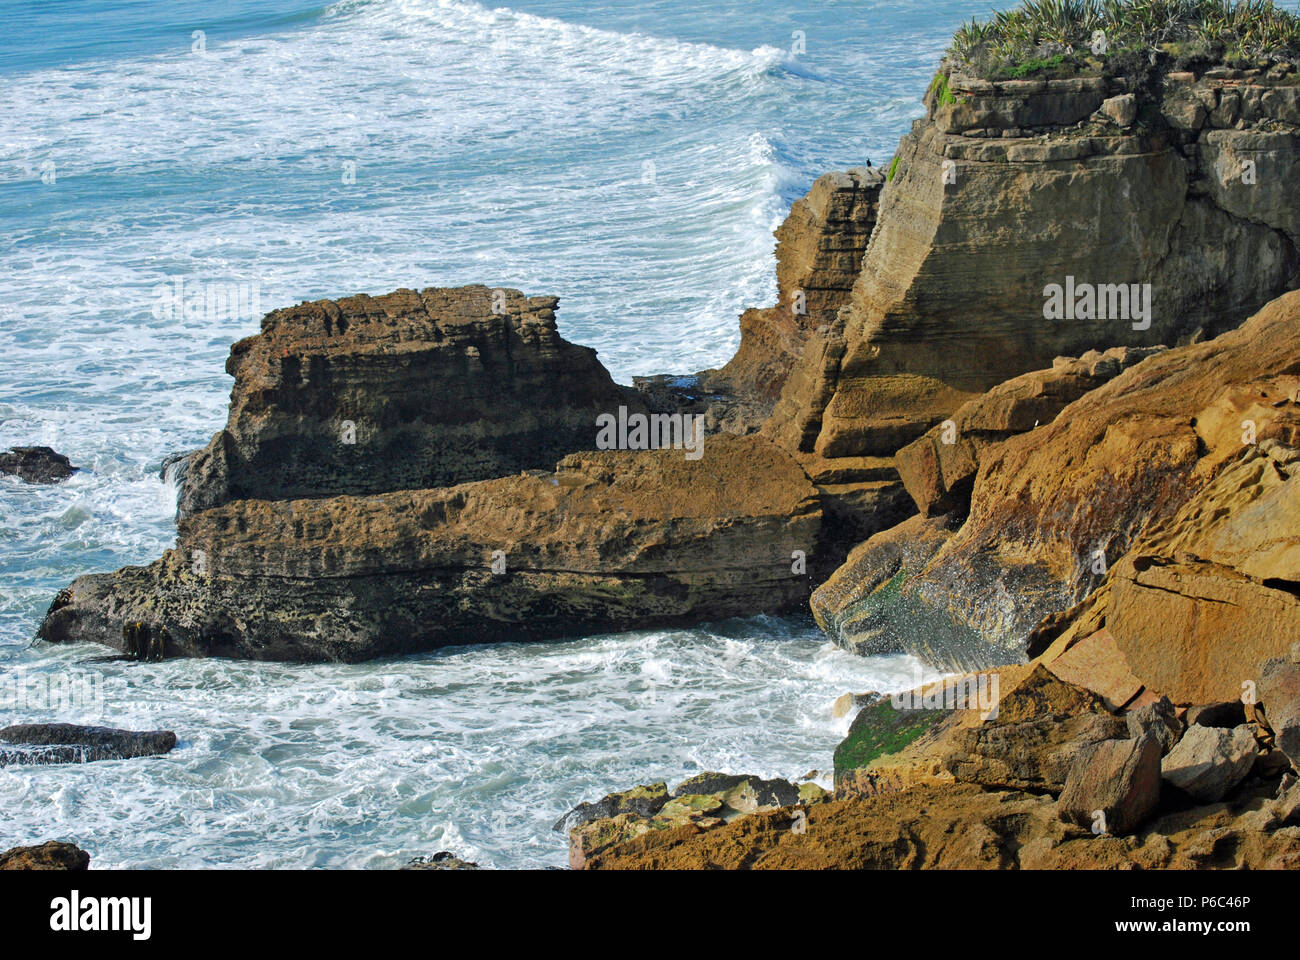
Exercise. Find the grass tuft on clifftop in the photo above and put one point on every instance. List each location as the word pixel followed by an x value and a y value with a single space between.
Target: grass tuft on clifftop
pixel 1051 37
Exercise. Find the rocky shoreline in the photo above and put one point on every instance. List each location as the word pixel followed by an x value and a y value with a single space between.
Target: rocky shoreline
pixel 1026 407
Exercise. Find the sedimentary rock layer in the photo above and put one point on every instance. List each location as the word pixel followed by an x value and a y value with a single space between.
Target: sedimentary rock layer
pixel 819 255
pixel 608 541
pixel 1053 509
pixel 409 390
pixel 1013 187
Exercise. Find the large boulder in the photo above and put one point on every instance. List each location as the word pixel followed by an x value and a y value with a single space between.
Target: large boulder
pixel 1118 779
pixel 1278 690
pixel 399 392
pixel 1209 762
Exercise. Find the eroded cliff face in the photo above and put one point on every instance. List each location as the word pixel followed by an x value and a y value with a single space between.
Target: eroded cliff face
pixel 1053 509
pixel 400 392
pixel 819 256
pixel 1005 189
pixel 609 541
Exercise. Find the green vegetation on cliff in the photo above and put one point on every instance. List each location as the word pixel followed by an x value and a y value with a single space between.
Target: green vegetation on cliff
pixel 1052 35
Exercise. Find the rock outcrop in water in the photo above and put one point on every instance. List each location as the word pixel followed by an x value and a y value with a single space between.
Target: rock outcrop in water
pixel 45 743
pixel 53 855
pixel 610 540
pixel 36 465
pixel 407 391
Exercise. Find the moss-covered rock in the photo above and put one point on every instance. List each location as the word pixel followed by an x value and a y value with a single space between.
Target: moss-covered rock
pixel 879 730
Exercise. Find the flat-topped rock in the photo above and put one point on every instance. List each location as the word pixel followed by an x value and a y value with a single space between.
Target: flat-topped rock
pixel 410 390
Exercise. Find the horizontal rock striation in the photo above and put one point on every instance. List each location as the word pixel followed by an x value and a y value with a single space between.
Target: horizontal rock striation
pixel 1005 189
pixel 405 391
pixel 609 541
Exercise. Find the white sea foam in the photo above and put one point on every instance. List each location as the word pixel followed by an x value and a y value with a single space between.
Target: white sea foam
pixel 478 750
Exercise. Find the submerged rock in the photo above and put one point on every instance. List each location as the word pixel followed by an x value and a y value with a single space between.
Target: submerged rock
pixel 443 860
pixel 45 743
pixel 53 855
pixel 36 464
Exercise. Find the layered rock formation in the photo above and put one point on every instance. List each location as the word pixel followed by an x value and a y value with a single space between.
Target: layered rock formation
pixel 1005 189
pixel 939 469
pixel 401 392
pixel 1054 509
pixel 819 255
pixel 610 540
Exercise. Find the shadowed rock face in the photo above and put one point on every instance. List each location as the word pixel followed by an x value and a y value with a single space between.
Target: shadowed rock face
pixel 36 464
pixel 1015 187
pixel 405 391
pixel 611 540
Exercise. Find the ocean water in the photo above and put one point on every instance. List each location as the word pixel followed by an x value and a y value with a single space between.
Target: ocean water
pixel 632 159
